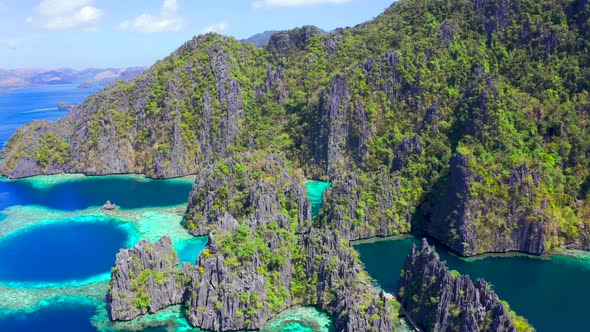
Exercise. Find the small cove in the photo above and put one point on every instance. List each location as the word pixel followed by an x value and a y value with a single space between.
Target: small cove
pixel 315 192
pixel 550 291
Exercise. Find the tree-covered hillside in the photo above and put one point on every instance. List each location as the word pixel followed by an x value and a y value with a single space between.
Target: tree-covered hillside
pixel 463 119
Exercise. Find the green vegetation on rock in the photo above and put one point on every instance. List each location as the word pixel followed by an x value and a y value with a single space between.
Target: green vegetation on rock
pixel 500 87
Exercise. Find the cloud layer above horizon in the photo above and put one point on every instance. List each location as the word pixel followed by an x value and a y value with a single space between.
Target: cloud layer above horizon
pixel 79 33
pixel 66 14
pixel 167 20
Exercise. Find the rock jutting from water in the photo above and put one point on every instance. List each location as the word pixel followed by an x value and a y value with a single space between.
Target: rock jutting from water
pixel 108 206
pixel 145 279
pixel 441 300
pixel 259 264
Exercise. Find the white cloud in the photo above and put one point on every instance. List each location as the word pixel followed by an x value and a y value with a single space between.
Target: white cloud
pixel 66 14
pixel 170 6
pixel 167 20
pixel 218 27
pixel 12 44
pixel 292 3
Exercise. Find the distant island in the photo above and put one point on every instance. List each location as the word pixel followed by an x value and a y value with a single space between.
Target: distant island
pixel 63 105
pixel 86 78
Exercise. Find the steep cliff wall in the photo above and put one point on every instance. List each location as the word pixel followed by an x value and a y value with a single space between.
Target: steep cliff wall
pixel 259 266
pixel 145 279
pixel 440 300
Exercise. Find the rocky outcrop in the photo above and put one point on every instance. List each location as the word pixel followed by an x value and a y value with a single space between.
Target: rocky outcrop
pixel 337 285
pixel 284 43
pixel 145 279
pixel 341 134
pixel 260 266
pixel 233 189
pixel 439 300
pixel 355 214
pixel 108 206
pixel 409 146
pixel 170 121
pixel 473 224
pixel 275 84
pixel 251 204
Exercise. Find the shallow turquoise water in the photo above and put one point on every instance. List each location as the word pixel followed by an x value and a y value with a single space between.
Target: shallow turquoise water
pixel 552 292
pixel 315 191
pixel 300 319
pixel 56 247
pixel 190 250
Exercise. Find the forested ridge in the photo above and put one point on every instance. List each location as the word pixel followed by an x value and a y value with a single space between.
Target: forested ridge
pixel 466 120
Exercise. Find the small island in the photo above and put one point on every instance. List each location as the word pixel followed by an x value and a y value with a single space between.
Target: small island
pixel 63 105
pixel 108 206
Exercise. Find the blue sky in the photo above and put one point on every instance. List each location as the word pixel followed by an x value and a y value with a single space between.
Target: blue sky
pixel 117 33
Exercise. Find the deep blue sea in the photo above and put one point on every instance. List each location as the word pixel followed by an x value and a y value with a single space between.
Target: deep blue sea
pixel 126 193
pixel 21 106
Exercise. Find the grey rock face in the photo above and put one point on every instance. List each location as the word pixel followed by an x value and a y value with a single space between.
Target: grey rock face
pixel 339 289
pixel 226 192
pixel 145 279
pixel 408 146
pixel 454 219
pixel 282 43
pixel 243 196
pixel 26 164
pixel 127 128
pixel 223 299
pixel 232 291
pixel 346 210
pixel 275 84
pixel 441 301
pixel 342 130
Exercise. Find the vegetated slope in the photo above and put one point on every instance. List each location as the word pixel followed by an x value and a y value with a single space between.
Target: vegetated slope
pixel 464 119
pixel 256 263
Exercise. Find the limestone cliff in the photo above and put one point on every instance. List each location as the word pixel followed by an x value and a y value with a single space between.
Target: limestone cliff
pixel 439 300
pixel 177 116
pixel 145 279
pixel 260 266
pixel 387 110
pixel 472 223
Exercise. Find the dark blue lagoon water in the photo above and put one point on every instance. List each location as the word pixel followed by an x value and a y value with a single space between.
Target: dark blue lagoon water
pixel 63 318
pixel 552 292
pixel 126 192
pixel 20 106
pixel 76 251
pixel 65 250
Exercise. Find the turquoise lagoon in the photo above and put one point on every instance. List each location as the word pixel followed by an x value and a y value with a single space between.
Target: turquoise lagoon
pixel 56 261
pixel 315 192
pixel 58 256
